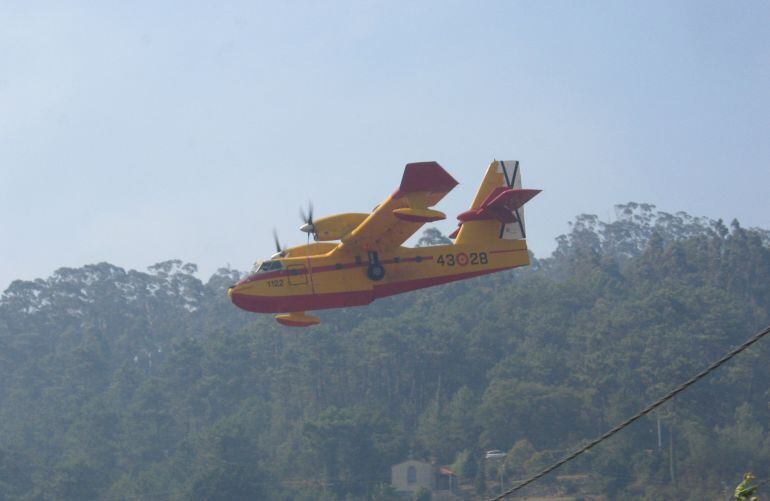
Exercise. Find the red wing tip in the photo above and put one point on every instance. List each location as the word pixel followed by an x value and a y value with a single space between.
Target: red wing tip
pixel 425 176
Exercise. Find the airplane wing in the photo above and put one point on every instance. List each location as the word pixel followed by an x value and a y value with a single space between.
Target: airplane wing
pixel 392 222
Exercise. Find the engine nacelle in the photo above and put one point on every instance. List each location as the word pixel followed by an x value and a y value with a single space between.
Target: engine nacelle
pixel 338 226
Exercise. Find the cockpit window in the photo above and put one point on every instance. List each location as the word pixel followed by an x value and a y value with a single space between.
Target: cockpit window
pixel 269 266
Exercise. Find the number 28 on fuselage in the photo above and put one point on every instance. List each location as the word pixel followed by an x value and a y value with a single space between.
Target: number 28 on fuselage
pixel 359 257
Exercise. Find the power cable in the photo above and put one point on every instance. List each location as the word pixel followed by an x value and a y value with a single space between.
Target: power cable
pixel 635 417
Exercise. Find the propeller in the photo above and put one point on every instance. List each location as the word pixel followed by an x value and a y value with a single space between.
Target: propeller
pixel 279 252
pixel 307 217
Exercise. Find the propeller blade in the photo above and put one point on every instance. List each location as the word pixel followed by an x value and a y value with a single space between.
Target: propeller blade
pixel 307 218
pixel 277 242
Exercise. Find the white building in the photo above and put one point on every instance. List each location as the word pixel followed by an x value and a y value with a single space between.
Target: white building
pixel 411 475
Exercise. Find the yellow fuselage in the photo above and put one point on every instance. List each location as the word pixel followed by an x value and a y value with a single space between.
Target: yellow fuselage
pixel 338 279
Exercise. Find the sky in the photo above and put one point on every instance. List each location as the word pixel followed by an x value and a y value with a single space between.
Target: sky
pixel 136 132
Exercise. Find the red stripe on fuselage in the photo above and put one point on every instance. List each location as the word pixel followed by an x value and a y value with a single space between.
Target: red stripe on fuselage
pixel 304 302
pixel 332 267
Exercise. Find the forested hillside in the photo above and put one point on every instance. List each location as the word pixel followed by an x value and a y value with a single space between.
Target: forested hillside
pixel 150 385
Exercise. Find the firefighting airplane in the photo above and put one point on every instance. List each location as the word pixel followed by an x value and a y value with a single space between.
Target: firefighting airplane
pixel 357 258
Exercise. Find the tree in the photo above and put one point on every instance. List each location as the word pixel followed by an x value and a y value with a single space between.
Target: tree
pixel 432 236
pixel 144 385
pixel 480 482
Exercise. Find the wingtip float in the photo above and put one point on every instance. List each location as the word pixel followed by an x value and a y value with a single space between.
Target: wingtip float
pixel 359 257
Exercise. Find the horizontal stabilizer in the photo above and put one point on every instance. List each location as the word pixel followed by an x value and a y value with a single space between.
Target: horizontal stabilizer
pixel 512 199
pixel 500 204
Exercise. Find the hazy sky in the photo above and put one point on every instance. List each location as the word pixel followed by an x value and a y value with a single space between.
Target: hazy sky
pixel 134 132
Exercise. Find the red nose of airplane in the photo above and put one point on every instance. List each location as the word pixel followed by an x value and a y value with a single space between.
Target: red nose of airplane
pixel 236 298
pixel 249 302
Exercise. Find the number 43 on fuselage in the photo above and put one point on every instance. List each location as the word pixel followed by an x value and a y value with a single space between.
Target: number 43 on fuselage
pixel 358 258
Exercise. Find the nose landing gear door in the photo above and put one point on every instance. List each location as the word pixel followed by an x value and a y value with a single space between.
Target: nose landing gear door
pixel 297 274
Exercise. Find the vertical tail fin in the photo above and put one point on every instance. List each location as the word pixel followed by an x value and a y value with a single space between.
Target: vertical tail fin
pixel 497 212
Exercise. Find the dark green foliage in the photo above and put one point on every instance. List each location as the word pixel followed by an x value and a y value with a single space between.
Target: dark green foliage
pixel 422 494
pixel 126 385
